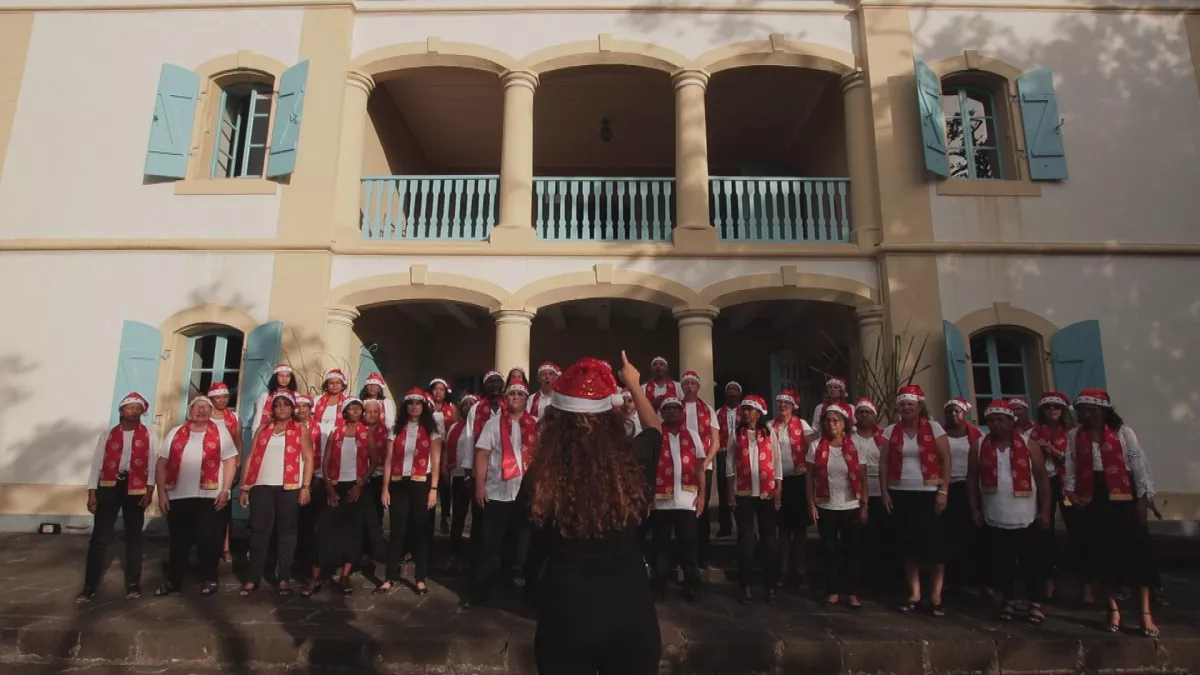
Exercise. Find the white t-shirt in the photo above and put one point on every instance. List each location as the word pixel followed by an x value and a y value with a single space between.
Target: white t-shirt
pixel 541 401
pixel 348 466
pixel 188 484
pixel 411 434
pixel 960 450
pixel 841 494
pixel 270 472
pixel 785 450
pixel 868 455
pixel 692 418
pixel 1002 508
pixel 910 469
pixel 467 459
pixel 126 456
pixel 680 498
pixel 497 488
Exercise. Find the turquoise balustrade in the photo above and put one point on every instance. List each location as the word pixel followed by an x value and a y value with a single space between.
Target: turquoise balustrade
pixel 603 209
pixel 429 207
pixel 756 209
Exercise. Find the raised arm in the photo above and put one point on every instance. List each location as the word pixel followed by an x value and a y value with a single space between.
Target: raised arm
pixel 645 410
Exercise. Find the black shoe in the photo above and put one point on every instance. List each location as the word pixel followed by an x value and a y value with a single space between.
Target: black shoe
pixel 691 594
pixel 445 525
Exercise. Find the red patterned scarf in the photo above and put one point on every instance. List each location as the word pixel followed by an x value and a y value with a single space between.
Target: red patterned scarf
pixel 795 435
pixel 821 467
pixel 210 464
pixel 766 465
pixel 450 452
pixel 931 468
pixel 509 469
pixel 230 419
pixel 420 465
pixel 689 478
pixel 323 403
pixel 379 443
pixel 535 403
pixel 1022 467
pixel 291 455
pixel 362 441
pixel 314 434
pixel 672 392
pixel 139 460
pixel 1112 458
pixel 703 422
pixel 483 413
pixel 723 422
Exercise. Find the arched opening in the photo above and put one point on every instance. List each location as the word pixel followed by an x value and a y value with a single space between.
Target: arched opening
pixel 412 342
pixel 777 155
pixel 602 327
pixel 431 154
pixel 1006 361
pixel 213 353
pixel 771 345
pixel 604 154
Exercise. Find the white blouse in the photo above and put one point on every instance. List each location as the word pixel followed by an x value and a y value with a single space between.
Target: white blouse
pixel 755 487
pixel 410 447
pixel 910 468
pixel 841 493
pixel 348 467
pixel 1135 462
pixel 126 455
pixel 785 450
pixel 960 451
pixel 188 484
pixel 680 498
pixel 270 472
pixel 1002 508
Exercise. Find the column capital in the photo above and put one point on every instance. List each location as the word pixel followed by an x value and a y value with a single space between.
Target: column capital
pixel 869 314
pixel 690 77
pixel 518 317
pixel 520 78
pixel 695 316
pixel 360 80
pixel 854 79
pixel 342 314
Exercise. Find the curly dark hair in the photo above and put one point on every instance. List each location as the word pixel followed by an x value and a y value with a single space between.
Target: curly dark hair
pixel 273 384
pixel 425 421
pixel 585 476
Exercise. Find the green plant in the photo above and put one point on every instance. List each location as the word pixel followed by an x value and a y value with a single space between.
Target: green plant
pixel 310 377
pixel 879 372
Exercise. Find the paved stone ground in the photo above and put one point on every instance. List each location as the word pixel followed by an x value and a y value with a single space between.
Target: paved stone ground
pixel 43 631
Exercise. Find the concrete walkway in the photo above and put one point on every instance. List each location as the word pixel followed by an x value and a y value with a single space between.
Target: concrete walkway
pixel 42 630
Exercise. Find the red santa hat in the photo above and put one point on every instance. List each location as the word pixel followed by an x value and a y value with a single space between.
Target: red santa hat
pixel 839 381
pixel 733 385
pixel 959 402
pixel 867 404
pixel 626 395
pixel 755 401
pixel 690 375
pixel 670 400
pixel 998 407
pixel 469 397
pixel 376 378
pixel 304 399
pixel 1054 398
pixel 436 381
pixel 134 398
pixel 841 409
pixel 373 402
pixel 282 368
pixel 1014 401
pixel 492 373
pixel 284 394
pixel 335 374
pixel 429 399
pixel 658 359
pixel 910 392
pixel 197 400
pixel 587 387
pixel 549 367
pixel 1095 396
pixel 788 396
pixel 516 385
pixel 414 394
pixel 352 400
pixel 218 389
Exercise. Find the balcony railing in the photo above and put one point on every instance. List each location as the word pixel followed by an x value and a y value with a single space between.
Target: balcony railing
pixel 429 207
pixel 603 209
pixel 754 209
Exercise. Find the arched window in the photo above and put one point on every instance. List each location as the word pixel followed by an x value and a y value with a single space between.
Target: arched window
pixel 973 136
pixel 214 355
pixel 1000 365
pixel 241 131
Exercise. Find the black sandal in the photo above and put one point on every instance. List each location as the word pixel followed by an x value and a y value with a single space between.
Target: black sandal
pixel 1148 632
pixel 384 588
pixel 310 590
pixel 1035 615
pixel 209 588
pixel 166 589
pixel 347 585
pixel 421 588
pixel 248 590
pixel 284 589
pixel 85 596
pixel 938 610
pixel 1114 621
pixel 1007 611
pixel 907 606
pixel 133 592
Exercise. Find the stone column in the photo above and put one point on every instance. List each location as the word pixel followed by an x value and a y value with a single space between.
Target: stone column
pixel 696 346
pixel 348 197
pixel 512 339
pixel 860 159
pixel 515 224
pixel 341 345
pixel 870 332
pixel 693 229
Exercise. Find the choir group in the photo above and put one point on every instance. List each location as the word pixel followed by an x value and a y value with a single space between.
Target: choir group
pixel 322 471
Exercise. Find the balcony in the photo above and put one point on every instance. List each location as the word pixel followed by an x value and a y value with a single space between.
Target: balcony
pixel 447 208
pixel 603 209
pixel 751 209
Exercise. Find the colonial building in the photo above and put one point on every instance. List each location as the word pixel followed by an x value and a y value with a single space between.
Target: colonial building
pixel 194 190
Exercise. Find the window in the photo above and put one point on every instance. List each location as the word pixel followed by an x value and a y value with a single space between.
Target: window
pixel 1000 366
pixel 972 140
pixel 241 131
pixel 212 357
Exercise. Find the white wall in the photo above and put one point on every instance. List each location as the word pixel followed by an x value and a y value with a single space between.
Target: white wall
pixel 519 34
pixel 58 351
pixel 1149 313
pixel 78 148
pixel 512 273
pixel 1127 90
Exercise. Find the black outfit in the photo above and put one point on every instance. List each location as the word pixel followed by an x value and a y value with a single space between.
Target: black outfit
pixel 1118 547
pixel 408 516
pixel 503 544
pixel 597 614
pixel 273 511
pixel 109 502
pixel 341 527
pixel 307 546
pixel 724 511
pixel 879 550
pixel 966 543
pixel 446 499
pixel 704 525
pixel 793 510
pixel 1023 545
pixel 841 541
pixel 374 486
pixel 194 521
pixel 460 505
pixel 683 523
pixel 748 511
pixel 919 530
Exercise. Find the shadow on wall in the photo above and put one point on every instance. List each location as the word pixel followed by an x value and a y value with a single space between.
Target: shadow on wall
pixel 212 293
pixel 733 25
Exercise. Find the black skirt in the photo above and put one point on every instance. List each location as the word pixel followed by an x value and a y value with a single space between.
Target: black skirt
pixel 1118 546
pixel 920 531
pixel 340 528
pixel 793 509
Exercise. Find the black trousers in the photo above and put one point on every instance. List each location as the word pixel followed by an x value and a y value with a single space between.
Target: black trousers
pixel 704 524
pixel 341 527
pixel 966 543
pixel 371 542
pixel 460 505
pixel 724 511
pixel 446 499
pixel 307 546
pixel 879 557
pixel 408 516
pixel 505 540
pixel 752 510
pixel 109 502
pixel 841 541
pixel 273 511
pixel 683 523
pixel 194 521
pixel 477 528
pixel 1024 546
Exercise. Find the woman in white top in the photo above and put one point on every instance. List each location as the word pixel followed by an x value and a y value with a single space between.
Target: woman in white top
pixel 835 392
pixel 347 463
pixel 966 543
pixel 276 482
pixel 411 471
pixel 373 390
pixel 914 468
pixel 307 542
pixel 457 444
pixel 195 469
pixel 837 482
pixel 282 379
pixel 679 499
pixel 756 489
pixel 1010 493
pixel 1108 479
pixel 794 435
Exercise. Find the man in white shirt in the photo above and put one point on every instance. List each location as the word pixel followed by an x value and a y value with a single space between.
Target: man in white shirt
pixel 120 481
pixel 547 373
pixel 661 385
pixel 681 497
pixel 701 419
pixel 490 404
pixel 500 465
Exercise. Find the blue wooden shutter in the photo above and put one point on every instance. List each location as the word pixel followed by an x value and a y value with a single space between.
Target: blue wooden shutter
pixel 1078 358
pixel 289 108
pixel 1043 127
pixel 137 366
pixel 369 361
pixel 263 345
pixel 956 360
pixel 933 123
pixel 174 115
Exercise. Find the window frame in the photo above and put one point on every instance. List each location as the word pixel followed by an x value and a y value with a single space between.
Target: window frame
pixel 962 92
pixel 218 370
pixel 994 365
pixel 241 155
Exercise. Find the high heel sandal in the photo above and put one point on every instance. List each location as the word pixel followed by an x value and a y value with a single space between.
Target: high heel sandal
pixel 1114 621
pixel 1007 611
pixel 384 588
pixel 421 588
pixel 1035 615
pixel 1148 632
pixel 248 590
